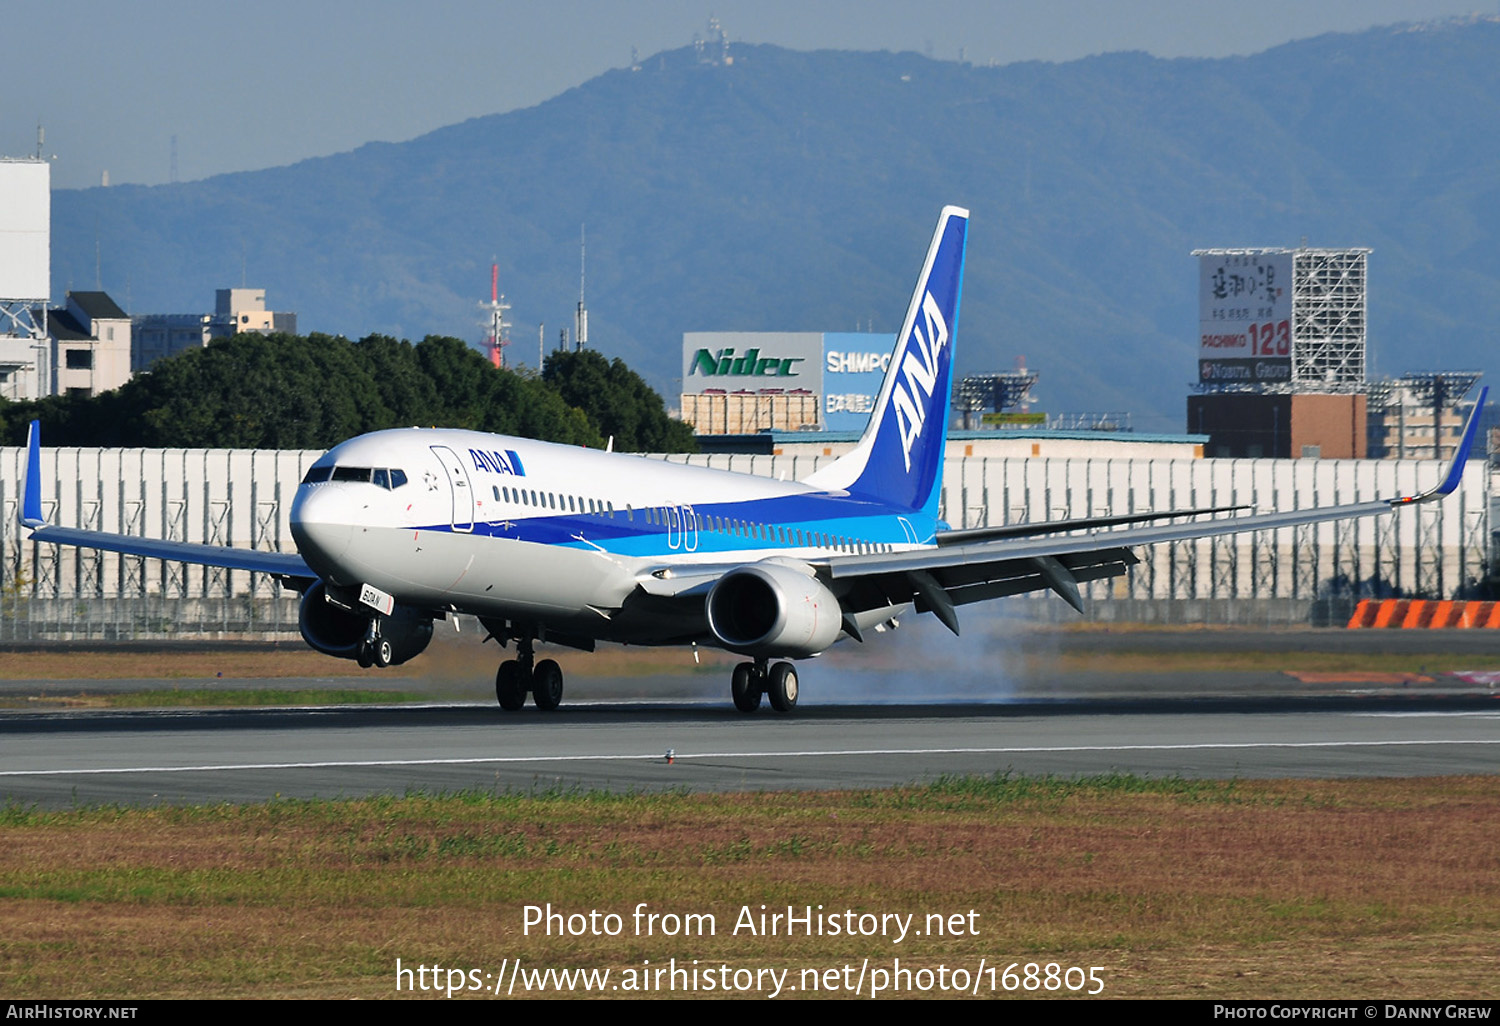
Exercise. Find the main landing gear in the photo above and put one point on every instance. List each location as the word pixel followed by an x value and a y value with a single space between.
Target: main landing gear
pixel 751 680
pixel 523 675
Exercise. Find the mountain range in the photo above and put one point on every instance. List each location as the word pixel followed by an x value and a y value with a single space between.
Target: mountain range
pixel 795 191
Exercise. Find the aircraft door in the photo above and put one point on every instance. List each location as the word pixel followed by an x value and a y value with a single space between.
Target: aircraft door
pixel 674 528
pixel 689 529
pixel 459 487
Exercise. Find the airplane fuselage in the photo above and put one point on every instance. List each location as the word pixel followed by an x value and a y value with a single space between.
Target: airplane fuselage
pixel 513 528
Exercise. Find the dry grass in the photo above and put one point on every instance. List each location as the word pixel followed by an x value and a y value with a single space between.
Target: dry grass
pixel 166 663
pixel 460 658
pixel 1277 889
pixel 457 656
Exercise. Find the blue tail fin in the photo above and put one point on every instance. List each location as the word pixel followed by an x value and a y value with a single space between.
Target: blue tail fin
pixel 899 458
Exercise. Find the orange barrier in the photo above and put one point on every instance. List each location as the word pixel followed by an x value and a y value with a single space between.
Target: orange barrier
pixel 1408 614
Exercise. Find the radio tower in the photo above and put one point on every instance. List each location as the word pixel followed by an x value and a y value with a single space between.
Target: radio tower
pixel 498 338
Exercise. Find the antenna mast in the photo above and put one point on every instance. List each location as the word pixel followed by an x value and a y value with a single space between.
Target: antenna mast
pixel 581 324
pixel 497 338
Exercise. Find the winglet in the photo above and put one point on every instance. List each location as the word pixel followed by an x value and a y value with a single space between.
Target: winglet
pixel 1460 457
pixel 31 488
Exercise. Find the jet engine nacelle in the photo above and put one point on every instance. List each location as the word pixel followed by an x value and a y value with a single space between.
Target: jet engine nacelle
pixel 773 610
pixel 334 630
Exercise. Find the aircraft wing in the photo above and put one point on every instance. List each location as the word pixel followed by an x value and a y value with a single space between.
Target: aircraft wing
pixel 984 563
pixel 278 563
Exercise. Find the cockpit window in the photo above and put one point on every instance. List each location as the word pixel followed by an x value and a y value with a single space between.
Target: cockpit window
pixel 388 478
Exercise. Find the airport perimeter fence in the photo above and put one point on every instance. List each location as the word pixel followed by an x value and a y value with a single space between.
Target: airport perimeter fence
pixel 1295 576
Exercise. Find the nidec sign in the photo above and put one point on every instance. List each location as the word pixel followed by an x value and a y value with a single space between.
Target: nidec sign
pixel 753 360
pixel 724 363
pixel 844 369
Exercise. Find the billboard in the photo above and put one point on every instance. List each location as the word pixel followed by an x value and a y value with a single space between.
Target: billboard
pixel 854 365
pixel 752 360
pixel 841 371
pixel 25 229
pixel 1245 317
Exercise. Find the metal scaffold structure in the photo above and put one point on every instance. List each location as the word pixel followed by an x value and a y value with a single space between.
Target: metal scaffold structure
pixel 1328 319
pixel 1258 335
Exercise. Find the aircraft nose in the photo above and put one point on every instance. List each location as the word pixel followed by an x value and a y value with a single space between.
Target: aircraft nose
pixel 323 525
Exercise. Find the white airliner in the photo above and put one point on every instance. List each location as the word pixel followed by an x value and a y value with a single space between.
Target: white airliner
pixel 557 544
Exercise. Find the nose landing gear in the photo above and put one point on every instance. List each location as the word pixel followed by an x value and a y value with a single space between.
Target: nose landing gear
pixel 376 649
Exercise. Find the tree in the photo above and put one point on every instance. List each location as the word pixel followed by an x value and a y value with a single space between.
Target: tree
pixel 312 392
pixel 617 401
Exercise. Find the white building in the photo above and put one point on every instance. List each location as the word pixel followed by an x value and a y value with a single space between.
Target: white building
pixel 90 345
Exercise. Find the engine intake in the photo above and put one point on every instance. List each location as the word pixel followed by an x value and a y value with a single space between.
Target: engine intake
pixel 773 610
pixel 334 630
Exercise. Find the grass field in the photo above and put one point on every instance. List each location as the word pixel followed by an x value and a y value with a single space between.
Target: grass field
pixel 1384 888
pixel 1292 889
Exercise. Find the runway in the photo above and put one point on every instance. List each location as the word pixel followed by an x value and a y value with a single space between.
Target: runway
pixel 61 759
pixel 860 724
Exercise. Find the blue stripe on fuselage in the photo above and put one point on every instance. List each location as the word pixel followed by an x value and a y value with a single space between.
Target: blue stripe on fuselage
pixel 837 517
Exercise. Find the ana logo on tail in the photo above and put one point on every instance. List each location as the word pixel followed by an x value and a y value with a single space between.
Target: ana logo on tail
pixel 919 370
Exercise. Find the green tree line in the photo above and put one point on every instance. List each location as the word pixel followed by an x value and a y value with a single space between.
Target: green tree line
pixel 312 392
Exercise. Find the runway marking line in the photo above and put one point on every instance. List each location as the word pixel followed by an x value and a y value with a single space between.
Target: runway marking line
pixel 681 756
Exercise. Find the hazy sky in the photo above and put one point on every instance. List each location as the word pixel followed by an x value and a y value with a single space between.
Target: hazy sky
pixel 245 86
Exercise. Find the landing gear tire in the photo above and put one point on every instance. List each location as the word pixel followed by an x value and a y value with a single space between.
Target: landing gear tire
pixel 745 688
pixel 510 689
pixel 782 687
pixel 382 652
pixel 547 685
pixel 363 657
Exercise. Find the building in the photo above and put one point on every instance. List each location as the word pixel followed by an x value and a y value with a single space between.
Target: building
pixel 1247 425
pixel 90 345
pixel 84 349
pixel 1282 352
pixel 240 311
pixel 25 277
pixel 236 311
pixel 1421 416
pixel 742 382
pixel 24 363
